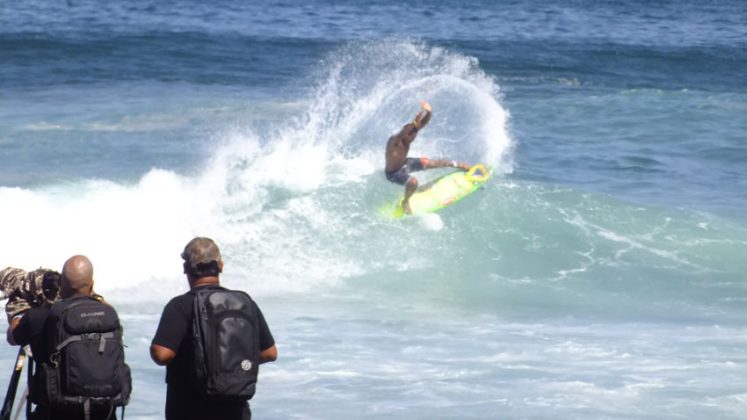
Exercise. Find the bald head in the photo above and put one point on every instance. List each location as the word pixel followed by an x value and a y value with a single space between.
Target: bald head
pixel 77 277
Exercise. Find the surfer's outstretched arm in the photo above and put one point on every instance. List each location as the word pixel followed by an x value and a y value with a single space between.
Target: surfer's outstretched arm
pixel 410 130
pixel 424 115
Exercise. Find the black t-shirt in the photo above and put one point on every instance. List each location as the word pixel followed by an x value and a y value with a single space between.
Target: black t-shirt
pixel 33 329
pixel 174 332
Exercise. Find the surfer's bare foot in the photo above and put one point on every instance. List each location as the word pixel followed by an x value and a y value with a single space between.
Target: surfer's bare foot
pixel 463 166
pixel 406 207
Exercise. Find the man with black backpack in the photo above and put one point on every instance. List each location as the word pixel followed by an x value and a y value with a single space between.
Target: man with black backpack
pixel 212 341
pixel 78 351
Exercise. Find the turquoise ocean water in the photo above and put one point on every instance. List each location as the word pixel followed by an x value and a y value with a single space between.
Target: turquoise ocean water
pixel 601 274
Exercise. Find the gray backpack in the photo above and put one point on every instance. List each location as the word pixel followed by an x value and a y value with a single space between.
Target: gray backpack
pixel 225 342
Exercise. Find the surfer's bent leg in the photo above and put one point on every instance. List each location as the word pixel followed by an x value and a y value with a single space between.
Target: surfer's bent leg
pixel 402 177
pixel 443 163
pixel 417 164
pixel 410 187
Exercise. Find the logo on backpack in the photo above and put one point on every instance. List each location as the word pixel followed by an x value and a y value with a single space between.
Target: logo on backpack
pixel 86 372
pixel 86 315
pixel 225 342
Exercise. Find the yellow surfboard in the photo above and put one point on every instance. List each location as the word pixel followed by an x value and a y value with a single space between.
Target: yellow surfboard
pixel 441 192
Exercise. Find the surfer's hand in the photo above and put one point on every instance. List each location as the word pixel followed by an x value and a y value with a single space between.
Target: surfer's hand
pixel 426 106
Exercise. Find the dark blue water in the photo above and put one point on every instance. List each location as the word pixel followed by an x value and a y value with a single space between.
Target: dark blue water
pixel 627 57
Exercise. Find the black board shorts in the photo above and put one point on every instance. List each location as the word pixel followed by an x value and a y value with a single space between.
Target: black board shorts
pixel 401 175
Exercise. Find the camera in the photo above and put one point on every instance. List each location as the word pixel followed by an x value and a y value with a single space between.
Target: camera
pixel 28 289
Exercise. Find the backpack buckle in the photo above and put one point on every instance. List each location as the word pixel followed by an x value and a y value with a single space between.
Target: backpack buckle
pixel 54 359
pixel 92 336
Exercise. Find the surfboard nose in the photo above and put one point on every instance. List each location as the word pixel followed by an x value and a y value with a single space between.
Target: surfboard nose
pixel 477 173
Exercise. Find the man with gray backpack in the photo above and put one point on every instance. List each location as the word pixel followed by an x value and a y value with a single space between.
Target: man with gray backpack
pixel 212 341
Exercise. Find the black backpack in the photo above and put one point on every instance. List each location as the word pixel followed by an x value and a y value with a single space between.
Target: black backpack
pixel 86 371
pixel 225 339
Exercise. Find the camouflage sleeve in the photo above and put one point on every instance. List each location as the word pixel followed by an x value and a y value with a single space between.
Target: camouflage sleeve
pixel 16 288
pixel 16 306
pixel 8 280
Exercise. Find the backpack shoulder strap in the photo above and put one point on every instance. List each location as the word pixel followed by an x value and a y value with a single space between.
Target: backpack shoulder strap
pixel 199 299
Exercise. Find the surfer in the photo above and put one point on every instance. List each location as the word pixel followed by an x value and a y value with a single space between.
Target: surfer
pixel 399 166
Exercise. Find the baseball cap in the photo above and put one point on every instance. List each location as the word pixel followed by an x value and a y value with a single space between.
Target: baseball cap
pixel 200 251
